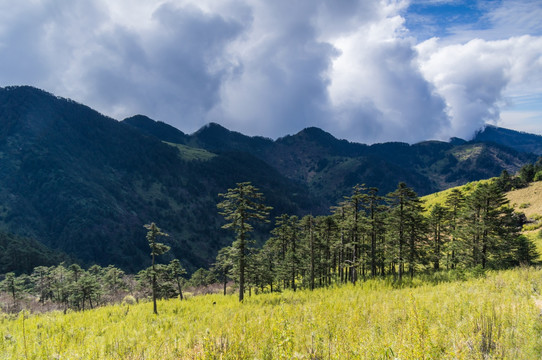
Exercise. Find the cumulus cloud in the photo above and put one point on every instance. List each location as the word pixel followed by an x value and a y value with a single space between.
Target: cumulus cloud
pixel 272 67
pixel 377 89
pixel 478 78
pixel 279 85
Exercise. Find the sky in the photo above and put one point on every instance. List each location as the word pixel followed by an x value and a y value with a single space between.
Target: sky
pixel 364 70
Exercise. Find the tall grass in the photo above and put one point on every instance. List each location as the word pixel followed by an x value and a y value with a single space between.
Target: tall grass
pixel 491 317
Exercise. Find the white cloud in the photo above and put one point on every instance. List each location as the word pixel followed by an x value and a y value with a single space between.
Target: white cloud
pixel 376 71
pixel 480 77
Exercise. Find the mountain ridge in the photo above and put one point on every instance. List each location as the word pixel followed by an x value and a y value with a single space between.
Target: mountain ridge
pixel 84 184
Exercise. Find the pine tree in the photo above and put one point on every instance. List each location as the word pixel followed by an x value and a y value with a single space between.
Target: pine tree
pixel 11 285
pixel 437 218
pixel 308 225
pixel 455 204
pixel 176 271
pixel 376 224
pixel 489 227
pixel 406 225
pixel 223 265
pixel 156 250
pixel 241 206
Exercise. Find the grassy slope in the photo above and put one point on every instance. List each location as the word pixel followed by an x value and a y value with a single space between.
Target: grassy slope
pixel 440 197
pixel 492 317
pixel 190 153
pixel 527 200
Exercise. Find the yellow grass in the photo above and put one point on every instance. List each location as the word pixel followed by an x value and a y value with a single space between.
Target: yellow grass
pixel 527 200
pixel 497 317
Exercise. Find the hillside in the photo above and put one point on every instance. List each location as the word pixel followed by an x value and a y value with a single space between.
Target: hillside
pixel 492 316
pixel 83 185
pixel 527 200
pixel 329 167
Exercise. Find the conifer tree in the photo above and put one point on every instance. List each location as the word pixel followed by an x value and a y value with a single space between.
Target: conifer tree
pixel 489 227
pixel 11 285
pixel 176 270
pixel 437 218
pixel 455 204
pixel 376 222
pixel 157 249
pixel 407 226
pixel 308 224
pixel 241 206
pixel 223 265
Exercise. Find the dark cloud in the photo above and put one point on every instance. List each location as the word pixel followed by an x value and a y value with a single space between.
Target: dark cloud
pixel 268 67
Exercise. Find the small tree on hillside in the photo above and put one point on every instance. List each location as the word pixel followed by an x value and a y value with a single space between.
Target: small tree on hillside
pixel 241 206
pixel 176 271
pixel 156 250
pixel 12 285
pixel 223 266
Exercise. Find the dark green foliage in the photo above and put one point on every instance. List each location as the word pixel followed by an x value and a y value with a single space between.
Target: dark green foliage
pixel 80 183
pixel 242 207
pixel 22 255
pixel 201 277
pixel 223 266
pixel 176 271
pixel 364 237
pixel 157 129
pixel 84 184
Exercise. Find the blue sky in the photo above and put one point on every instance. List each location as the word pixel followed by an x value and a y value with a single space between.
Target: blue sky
pixel 427 19
pixel 364 70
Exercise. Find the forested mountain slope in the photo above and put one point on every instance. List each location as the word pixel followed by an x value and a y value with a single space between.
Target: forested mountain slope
pixel 83 184
pixel 329 167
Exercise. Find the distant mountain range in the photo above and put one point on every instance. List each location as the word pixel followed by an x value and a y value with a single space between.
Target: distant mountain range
pixel 329 167
pixel 82 185
pixel 520 141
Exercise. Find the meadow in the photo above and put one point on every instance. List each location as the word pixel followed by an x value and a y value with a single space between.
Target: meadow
pixel 492 315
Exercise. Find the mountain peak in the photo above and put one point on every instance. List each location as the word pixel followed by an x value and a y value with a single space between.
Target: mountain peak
pixel 157 129
pixel 212 128
pixel 316 134
pixel 517 140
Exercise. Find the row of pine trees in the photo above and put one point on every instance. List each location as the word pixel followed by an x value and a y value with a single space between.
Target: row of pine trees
pixel 369 235
pixel 366 235
pixel 64 287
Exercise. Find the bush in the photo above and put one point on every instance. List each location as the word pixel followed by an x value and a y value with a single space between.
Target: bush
pixel 129 300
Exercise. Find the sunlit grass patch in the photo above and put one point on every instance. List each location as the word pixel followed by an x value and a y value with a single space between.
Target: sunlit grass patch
pixel 493 316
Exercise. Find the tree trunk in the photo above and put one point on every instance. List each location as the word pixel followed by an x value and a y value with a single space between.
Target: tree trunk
pixel 242 263
pixel 154 307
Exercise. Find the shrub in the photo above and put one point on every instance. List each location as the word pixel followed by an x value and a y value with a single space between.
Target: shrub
pixel 129 300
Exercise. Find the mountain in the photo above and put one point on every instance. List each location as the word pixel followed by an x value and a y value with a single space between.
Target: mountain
pixel 85 184
pixel 329 167
pixel 520 141
pixel 75 184
pixel 157 129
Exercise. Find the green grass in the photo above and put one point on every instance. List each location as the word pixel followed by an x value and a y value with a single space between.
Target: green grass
pixel 463 153
pixel 440 197
pixel 493 317
pixel 190 154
